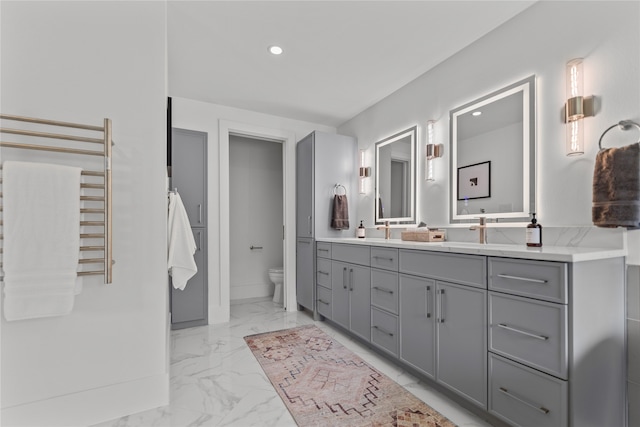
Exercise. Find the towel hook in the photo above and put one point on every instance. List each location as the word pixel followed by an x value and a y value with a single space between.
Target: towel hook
pixel 623 125
pixel 337 188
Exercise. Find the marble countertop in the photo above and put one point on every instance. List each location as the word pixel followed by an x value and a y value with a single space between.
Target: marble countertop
pixel 546 253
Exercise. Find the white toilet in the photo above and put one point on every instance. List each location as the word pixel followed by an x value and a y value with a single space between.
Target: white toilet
pixel 276 275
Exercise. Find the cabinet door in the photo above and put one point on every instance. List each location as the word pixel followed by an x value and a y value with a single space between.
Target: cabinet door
pixel 304 187
pixel 340 293
pixel 462 340
pixel 305 273
pixel 360 300
pixel 417 323
pixel 189 306
pixel 189 172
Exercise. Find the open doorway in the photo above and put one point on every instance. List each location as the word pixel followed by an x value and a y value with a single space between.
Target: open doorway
pixel 220 298
pixel 256 204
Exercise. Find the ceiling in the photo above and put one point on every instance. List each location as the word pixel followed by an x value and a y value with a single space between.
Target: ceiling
pixel 340 57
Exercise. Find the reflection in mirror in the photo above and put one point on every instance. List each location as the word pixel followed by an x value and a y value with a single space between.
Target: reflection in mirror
pixel 396 178
pixel 493 155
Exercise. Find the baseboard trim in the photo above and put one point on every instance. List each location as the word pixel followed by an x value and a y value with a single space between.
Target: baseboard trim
pixel 92 406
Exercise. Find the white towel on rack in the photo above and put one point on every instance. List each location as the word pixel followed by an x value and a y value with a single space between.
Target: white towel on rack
pixel 41 214
pixel 182 245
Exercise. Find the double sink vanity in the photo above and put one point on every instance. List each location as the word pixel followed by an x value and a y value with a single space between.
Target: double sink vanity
pixel 523 336
pixel 534 337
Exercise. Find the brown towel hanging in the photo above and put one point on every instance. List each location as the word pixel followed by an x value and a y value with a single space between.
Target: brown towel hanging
pixel 340 210
pixel 616 184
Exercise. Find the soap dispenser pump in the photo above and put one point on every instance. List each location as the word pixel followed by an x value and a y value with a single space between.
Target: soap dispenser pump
pixel 361 231
pixel 534 232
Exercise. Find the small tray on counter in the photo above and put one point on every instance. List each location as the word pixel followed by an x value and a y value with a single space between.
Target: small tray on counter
pixel 426 235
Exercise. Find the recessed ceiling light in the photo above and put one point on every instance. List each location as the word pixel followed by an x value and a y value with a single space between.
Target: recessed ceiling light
pixel 476 113
pixel 275 50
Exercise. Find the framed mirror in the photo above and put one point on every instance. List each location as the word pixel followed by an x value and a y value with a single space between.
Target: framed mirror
pixel 395 179
pixel 493 155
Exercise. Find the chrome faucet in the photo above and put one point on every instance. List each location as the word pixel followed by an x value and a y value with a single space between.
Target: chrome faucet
pixel 482 228
pixel 387 230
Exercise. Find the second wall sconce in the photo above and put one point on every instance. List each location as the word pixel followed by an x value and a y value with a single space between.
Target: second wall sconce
pixel 433 151
pixel 363 173
pixel 576 108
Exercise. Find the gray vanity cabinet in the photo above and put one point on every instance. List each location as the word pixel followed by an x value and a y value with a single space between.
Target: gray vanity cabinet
pixel 418 323
pixel 304 271
pixel 443 315
pixel 322 161
pixel 556 342
pixel 443 334
pixel 461 348
pixel 350 297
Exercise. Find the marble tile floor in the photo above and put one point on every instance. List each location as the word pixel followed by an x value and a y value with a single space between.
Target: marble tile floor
pixel 216 380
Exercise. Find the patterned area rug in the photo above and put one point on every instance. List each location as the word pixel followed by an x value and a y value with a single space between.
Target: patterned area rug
pixel 325 384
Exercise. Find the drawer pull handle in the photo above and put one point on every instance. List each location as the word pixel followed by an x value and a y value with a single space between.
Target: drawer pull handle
pixel 529 334
pixel 384 331
pixel 351 279
pixel 389 291
pixel 323 272
pixel 537 408
pixel 523 279
pixel 427 291
pixel 440 292
pixel 323 250
pixel 323 302
pixel 383 258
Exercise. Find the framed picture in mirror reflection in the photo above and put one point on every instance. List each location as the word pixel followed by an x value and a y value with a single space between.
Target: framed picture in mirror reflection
pixel 474 181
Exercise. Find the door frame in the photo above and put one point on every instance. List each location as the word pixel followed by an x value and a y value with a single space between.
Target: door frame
pixel 288 140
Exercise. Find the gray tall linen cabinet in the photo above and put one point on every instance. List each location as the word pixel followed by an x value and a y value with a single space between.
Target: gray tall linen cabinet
pixel 326 164
pixel 189 307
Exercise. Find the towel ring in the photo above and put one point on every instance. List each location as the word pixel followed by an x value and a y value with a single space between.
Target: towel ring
pixel 623 125
pixel 337 188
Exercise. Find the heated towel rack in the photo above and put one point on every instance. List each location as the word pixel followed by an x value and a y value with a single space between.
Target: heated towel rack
pixel 96 186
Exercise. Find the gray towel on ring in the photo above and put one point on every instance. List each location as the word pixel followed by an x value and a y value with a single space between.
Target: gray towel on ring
pixel 616 187
pixel 340 213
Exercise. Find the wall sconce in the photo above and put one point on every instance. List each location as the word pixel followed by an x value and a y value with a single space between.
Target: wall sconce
pixel 576 108
pixel 433 151
pixel 364 173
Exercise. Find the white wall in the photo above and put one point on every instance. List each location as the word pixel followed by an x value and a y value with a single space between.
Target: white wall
pixel 211 118
pixel 82 62
pixel 539 41
pixel 256 205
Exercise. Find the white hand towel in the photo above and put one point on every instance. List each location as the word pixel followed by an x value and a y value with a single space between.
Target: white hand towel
pixel 182 245
pixel 41 204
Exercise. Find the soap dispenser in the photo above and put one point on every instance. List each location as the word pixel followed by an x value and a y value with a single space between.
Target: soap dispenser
pixel 361 230
pixel 534 232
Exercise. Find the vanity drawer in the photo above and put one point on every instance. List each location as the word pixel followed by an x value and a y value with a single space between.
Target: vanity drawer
pixel 386 258
pixel 464 269
pixel 323 272
pixel 384 290
pixel 353 254
pixel 323 249
pixel 324 301
pixel 525 397
pixel 529 331
pixel 384 330
pixel 537 279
